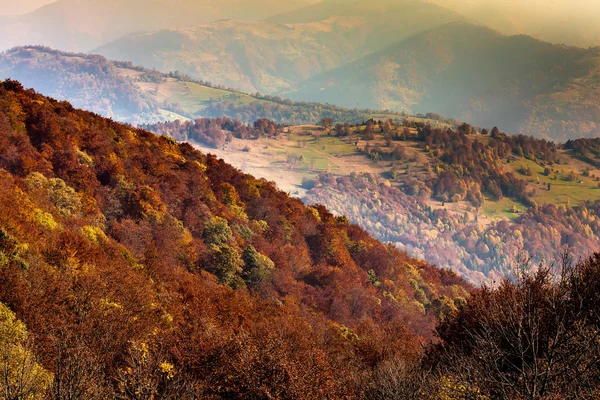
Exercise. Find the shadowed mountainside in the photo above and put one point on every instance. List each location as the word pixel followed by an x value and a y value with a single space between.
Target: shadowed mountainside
pixel 475 74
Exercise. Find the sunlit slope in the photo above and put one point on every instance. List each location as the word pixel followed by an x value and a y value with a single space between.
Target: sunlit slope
pixel 134 94
pixel 275 56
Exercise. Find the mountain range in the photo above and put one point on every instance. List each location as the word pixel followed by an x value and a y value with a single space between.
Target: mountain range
pixel 556 21
pixel 408 56
pixel 437 62
pixel 475 74
pixel 276 56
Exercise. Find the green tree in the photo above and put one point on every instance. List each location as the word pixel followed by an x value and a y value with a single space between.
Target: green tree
pixel 65 198
pixel 227 264
pixel 257 266
pixel 216 232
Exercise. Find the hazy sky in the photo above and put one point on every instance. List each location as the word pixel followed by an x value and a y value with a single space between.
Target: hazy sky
pixel 560 21
pixel 15 7
pixel 543 7
pixel 573 22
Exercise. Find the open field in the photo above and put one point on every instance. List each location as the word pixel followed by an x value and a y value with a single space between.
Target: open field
pixel 563 191
pixel 191 97
pixel 303 152
pixel 298 155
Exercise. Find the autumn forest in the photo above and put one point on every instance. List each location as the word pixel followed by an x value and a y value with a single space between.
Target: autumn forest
pixel 136 267
pixel 299 200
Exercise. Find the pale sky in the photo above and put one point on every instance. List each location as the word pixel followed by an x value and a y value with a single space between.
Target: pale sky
pixel 16 7
pixel 542 6
pixel 559 21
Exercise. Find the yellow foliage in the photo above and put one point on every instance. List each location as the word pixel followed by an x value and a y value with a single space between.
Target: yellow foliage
pixel 168 369
pixel 347 333
pixel 315 212
pixel 65 198
pixel 84 158
pixel 202 166
pixel 131 260
pixel 143 349
pixel 451 388
pixel 111 304
pixel 94 234
pixel 459 291
pixel 167 318
pixel 260 226
pixel 22 376
pixel 44 219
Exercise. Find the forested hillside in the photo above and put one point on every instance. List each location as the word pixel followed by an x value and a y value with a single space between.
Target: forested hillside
pixel 470 199
pixel 131 265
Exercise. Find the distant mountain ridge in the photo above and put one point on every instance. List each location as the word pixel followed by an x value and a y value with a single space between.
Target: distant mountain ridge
pixel 345 54
pixel 276 56
pixel 556 21
pixel 252 56
pixel 473 73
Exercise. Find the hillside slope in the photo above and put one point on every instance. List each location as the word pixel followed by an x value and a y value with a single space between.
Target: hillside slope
pixel 251 56
pixel 559 21
pixel 128 93
pixel 139 265
pixel 475 74
pixel 275 56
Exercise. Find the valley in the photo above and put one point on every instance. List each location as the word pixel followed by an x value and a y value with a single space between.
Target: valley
pixel 392 186
pixel 443 202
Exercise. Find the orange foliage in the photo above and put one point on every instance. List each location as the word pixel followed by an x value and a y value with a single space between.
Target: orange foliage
pixel 118 291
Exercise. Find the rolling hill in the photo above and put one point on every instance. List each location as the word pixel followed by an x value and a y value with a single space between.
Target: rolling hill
pixel 472 73
pixel 137 95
